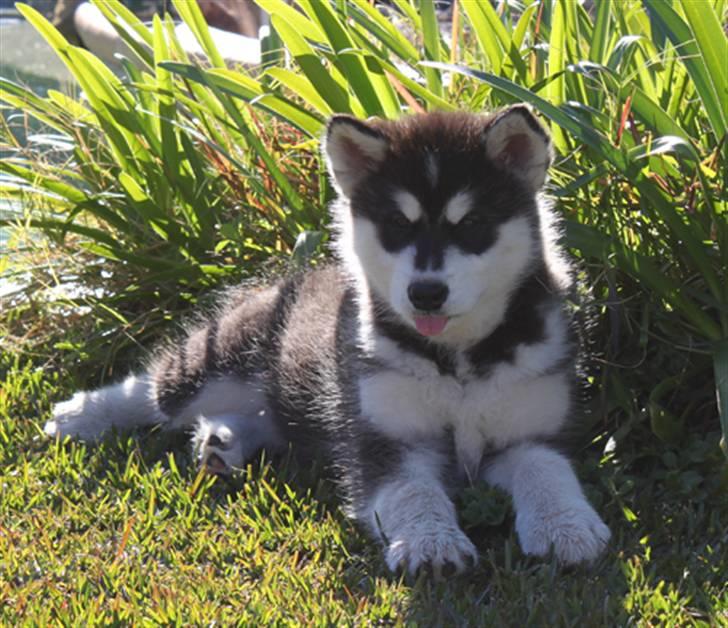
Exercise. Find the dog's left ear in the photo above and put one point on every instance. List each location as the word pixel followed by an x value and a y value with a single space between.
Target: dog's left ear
pixel 517 142
pixel 352 149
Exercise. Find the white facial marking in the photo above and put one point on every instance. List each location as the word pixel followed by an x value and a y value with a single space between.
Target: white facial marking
pixel 458 206
pixel 480 285
pixel 368 254
pixel 408 205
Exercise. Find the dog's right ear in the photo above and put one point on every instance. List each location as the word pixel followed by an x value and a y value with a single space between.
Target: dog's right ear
pixel 352 149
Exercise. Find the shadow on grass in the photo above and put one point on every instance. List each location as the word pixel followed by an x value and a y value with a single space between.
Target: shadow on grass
pixel 666 560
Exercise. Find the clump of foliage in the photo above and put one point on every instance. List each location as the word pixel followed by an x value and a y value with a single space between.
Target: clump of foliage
pixel 184 173
pixel 159 188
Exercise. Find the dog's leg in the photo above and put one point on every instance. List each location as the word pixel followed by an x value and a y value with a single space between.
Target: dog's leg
pixel 416 519
pixel 223 443
pixel 551 510
pixel 87 415
pixel 232 421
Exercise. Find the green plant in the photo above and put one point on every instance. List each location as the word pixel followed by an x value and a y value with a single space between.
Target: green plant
pixel 159 187
pixel 634 93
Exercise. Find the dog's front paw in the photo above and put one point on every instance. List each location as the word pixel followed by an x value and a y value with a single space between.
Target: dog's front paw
pixel 444 551
pixel 575 532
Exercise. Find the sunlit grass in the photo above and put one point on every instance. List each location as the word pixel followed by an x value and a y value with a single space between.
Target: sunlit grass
pixel 130 532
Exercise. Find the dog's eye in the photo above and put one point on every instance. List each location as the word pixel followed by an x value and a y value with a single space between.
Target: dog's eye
pixel 399 220
pixel 471 220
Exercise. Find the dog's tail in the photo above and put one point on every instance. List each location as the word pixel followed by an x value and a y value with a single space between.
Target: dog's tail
pixel 87 415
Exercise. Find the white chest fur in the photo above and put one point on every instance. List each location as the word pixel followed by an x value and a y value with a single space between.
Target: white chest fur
pixel 410 400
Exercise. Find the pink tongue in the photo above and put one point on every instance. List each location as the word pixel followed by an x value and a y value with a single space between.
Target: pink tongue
pixel 430 325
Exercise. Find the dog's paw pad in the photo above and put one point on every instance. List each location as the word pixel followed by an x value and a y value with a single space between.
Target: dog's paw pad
pixel 443 553
pixel 216 448
pixel 576 534
pixel 215 464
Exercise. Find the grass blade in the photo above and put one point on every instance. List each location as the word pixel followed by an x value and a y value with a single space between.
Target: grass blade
pixel 601 33
pixel 301 86
pixel 431 37
pixel 340 42
pixel 328 88
pixel 713 46
pixel 130 28
pixel 555 90
pixel 297 20
pixel 166 109
pixel 720 369
pixel 484 28
pixel 684 41
pixel 190 13
pixel 64 190
pixel 250 90
pixel 373 22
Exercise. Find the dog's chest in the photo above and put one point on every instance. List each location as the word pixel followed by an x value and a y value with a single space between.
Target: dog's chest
pixel 410 400
pixel 416 402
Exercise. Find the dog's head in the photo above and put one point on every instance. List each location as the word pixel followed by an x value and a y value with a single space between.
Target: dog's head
pixel 438 213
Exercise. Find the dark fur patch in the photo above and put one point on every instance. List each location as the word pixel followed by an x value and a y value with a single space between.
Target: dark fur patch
pixel 232 341
pixel 523 324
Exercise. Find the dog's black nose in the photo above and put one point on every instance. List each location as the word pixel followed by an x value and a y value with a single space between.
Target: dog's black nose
pixel 427 296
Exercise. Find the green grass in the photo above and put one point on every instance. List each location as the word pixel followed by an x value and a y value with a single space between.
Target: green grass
pixel 129 532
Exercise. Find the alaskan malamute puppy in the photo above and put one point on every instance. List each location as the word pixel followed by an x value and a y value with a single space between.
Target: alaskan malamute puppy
pixel 437 351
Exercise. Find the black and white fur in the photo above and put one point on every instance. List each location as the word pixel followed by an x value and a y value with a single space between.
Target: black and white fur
pixel 438 350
